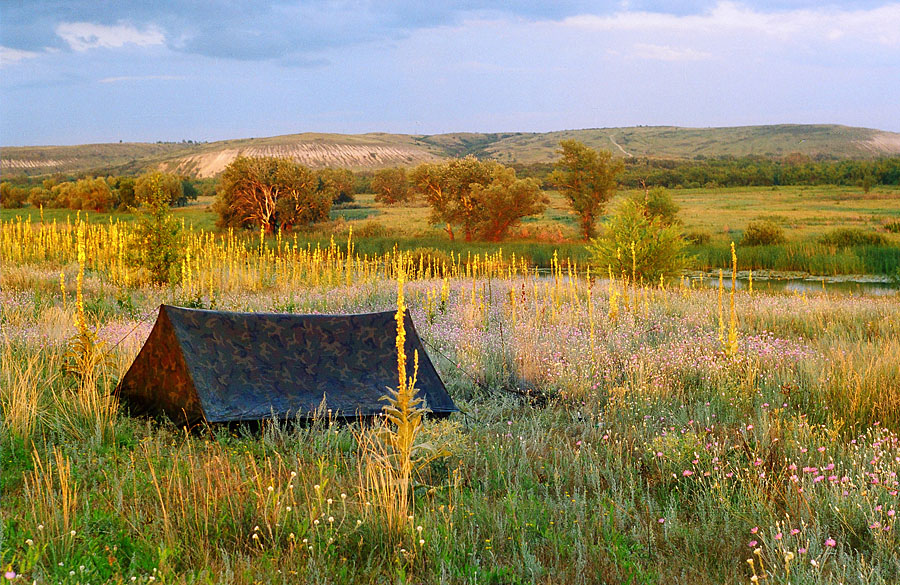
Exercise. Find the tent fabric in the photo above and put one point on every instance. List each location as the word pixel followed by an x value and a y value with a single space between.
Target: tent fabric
pixel 215 366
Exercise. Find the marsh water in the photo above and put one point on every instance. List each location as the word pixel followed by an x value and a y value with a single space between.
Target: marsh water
pixel 808 285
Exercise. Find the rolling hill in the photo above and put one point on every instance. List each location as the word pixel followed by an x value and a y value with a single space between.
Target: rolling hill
pixel 378 150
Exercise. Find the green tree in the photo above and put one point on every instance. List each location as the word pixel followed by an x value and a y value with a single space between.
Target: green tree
pixel 658 247
pixel 447 187
pixel 505 201
pixel 93 194
pixel 483 198
pixel 125 193
pixel 150 184
pixel 157 232
pixel 391 186
pixel 11 196
pixel 658 203
pixel 340 184
pixel 586 178
pixel 269 193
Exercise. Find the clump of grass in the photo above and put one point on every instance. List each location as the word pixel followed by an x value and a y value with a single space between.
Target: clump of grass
pixel 763 232
pixel 848 237
pixel 23 380
pixel 54 500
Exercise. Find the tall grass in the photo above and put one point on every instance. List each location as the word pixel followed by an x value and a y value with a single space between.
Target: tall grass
pixel 610 435
pixel 813 258
pixel 24 378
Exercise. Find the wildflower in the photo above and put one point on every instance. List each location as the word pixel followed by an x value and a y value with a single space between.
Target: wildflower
pixel 687 473
pixel 29 542
pixel 830 542
pixel 778 536
pixel 754 530
pixel 662 520
pixel 752 543
pixel 10 575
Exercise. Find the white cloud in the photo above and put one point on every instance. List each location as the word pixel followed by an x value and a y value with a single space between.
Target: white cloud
pixel 9 56
pixel 668 53
pixel 82 36
pixel 126 78
pixel 880 25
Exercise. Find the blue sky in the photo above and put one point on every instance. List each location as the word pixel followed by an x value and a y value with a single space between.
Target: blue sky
pixel 78 71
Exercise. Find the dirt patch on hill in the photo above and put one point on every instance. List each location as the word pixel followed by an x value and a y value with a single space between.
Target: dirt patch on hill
pixel 882 143
pixel 315 155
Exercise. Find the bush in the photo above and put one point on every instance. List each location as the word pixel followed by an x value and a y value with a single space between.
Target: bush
pixel 847 237
pixel 762 232
pixel 698 236
pixel 371 229
pixel 158 234
pixel 658 203
pixel 12 197
pixel 658 248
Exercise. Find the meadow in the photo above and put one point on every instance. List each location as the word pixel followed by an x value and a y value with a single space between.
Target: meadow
pixel 610 432
pixel 718 215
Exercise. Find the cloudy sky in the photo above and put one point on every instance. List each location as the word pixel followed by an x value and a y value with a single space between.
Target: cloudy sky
pixel 77 71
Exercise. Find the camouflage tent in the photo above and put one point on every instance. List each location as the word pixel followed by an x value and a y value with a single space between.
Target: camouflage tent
pixel 215 366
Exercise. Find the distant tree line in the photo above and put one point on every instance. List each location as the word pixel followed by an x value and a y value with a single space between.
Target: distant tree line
pixel 469 197
pixel 100 194
pixel 749 171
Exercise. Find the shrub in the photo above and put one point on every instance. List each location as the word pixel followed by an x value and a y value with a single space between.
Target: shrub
pixel 658 203
pixel 658 248
pixel 698 236
pixel 371 229
pixel 158 234
pixel 12 197
pixel 847 237
pixel 763 232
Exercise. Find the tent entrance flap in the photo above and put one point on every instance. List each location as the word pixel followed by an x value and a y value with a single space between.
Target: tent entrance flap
pixel 217 366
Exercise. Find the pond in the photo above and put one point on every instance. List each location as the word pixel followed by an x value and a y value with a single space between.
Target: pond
pixel 810 285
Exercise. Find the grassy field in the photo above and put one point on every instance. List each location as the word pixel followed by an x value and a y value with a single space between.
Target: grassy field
pixel 673 442
pixel 804 213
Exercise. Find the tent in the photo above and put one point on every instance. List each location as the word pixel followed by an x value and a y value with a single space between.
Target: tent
pixel 216 366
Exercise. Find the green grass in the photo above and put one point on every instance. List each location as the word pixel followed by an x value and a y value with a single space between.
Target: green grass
pixel 805 214
pixel 654 456
pixel 662 464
